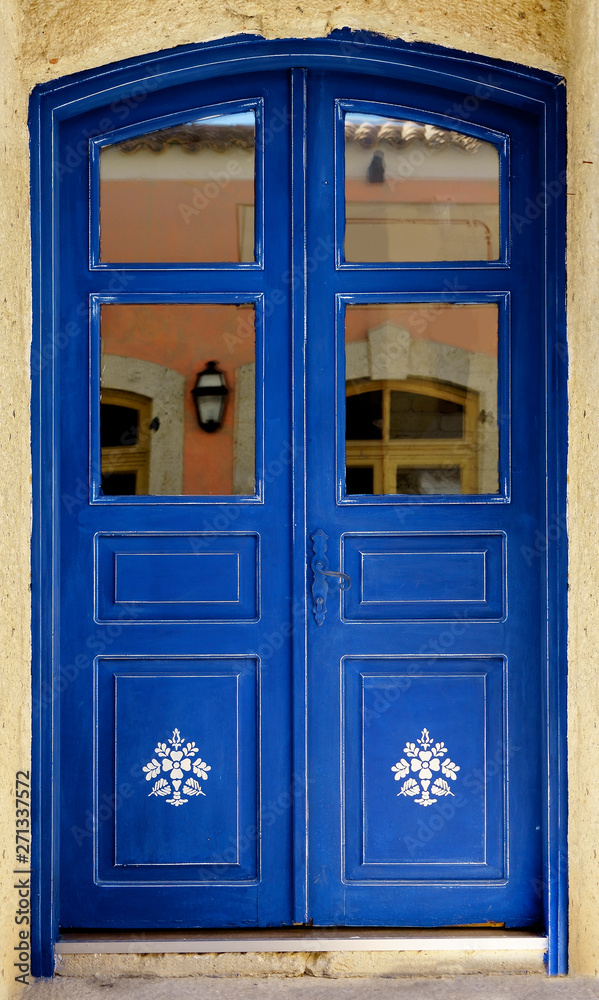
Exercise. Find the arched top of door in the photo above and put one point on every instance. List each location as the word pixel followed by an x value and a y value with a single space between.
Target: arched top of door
pixel 126 86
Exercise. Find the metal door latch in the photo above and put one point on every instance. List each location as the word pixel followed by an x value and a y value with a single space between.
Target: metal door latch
pixel 320 568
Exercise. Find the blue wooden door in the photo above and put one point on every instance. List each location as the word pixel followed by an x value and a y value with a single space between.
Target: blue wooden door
pixel 424 673
pixel 362 586
pixel 175 578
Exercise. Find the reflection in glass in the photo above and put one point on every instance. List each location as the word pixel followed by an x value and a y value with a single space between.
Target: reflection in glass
pixel 119 484
pixel 364 416
pixel 180 194
pixel 359 479
pixel 150 439
pixel 429 481
pixel 119 426
pixel 421 399
pixel 416 415
pixel 417 192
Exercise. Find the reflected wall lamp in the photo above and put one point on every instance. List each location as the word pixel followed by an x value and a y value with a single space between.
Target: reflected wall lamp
pixel 376 168
pixel 210 397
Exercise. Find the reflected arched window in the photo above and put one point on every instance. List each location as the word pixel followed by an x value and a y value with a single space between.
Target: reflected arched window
pixel 125 442
pixel 410 436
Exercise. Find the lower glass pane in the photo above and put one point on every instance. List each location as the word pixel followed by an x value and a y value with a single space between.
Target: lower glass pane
pixel 425 482
pixel 177 399
pixel 422 398
pixel 359 479
pixel 119 484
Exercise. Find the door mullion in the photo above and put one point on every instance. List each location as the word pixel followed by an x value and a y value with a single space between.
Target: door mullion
pixel 299 608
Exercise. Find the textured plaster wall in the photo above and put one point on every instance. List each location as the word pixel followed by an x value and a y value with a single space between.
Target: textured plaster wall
pixel 62 36
pixel 583 495
pixel 42 39
pixel 15 489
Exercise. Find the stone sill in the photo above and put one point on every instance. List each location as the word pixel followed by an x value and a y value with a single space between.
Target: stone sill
pixel 330 952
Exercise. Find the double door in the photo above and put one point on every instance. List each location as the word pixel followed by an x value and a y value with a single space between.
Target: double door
pixel 300 414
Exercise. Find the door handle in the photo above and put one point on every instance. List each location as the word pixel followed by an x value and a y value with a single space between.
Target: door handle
pixel 320 568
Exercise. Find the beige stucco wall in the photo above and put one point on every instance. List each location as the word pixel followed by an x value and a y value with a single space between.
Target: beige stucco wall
pixel 42 39
pixel 15 462
pixel 62 36
pixel 583 498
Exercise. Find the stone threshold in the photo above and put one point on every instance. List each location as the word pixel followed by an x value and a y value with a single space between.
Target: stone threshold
pixel 304 939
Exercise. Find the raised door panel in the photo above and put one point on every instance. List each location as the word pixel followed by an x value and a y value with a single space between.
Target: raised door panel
pixel 178 748
pixel 424 790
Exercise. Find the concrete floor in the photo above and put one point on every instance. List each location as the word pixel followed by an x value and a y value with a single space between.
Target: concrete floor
pixel 469 987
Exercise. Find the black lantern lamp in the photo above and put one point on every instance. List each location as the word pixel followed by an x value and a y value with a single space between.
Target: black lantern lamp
pixel 210 396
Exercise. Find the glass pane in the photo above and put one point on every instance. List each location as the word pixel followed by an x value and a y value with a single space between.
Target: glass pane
pixel 417 192
pixel 119 426
pixel 416 415
pixel 152 441
pixel 421 398
pixel 364 416
pixel 428 481
pixel 181 194
pixel 119 484
pixel 360 479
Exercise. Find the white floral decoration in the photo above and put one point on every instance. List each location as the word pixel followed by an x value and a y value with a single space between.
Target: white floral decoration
pixel 176 762
pixel 421 765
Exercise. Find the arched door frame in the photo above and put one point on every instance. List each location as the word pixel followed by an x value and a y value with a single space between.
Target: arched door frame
pixel 126 85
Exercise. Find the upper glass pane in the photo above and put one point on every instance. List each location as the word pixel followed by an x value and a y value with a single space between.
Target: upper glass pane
pixel 417 192
pixel 177 399
pixel 181 195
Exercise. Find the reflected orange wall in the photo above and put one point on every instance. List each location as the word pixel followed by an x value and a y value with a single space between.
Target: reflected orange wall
pixel 184 338
pixel 198 221
pixel 473 328
pixel 172 220
pixel 399 190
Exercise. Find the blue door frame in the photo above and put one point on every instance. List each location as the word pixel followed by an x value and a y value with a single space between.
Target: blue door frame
pixel 535 95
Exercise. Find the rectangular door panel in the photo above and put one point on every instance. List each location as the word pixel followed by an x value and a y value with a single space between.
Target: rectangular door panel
pixel 424 792
pixel 178 752
pixel 420 577
pixel 193 577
